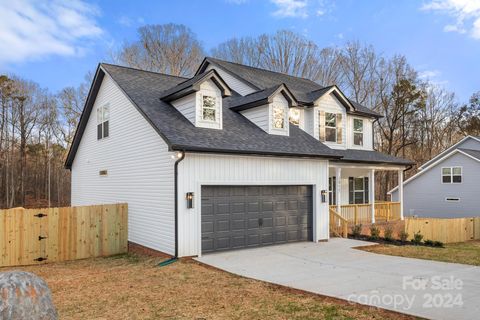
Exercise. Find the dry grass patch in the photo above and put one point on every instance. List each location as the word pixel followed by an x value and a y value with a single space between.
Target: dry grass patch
pixel 465 252
pixel 133 287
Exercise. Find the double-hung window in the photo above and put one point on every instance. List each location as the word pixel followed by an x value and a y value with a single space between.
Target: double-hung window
pixel 103 117
pixel 294 116
pixel 452 175
pixel 278 117
pixel 209 108
pixel 330 127
pixel 358 132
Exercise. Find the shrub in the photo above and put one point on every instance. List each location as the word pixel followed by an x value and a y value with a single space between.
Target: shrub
pixel 417 238
pixel 374 232
pixel 429 243
pixel 357 230
pixel 438 244
pixel 403 236
pixel 388 234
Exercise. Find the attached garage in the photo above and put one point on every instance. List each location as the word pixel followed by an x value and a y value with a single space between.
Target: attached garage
pixel 235 217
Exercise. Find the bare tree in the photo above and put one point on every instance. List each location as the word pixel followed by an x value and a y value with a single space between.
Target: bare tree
pixel 169 48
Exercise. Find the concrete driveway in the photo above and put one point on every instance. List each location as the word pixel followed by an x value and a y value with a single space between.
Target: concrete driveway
pixel 429 289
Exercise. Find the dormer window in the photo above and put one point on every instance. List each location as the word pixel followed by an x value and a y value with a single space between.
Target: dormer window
pixel 358 132
pixel 209 108
pixel 330 127
pixel 278 117
pixel 294 116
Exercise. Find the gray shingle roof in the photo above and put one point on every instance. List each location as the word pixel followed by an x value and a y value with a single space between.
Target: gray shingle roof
pixel 302 88
pixel 471 152
pixel 371 157
pixel 238 135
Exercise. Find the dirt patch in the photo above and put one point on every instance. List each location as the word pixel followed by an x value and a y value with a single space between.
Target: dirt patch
pixel 465 253
pixel 134 287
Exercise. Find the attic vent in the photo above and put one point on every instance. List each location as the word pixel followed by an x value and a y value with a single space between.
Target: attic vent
pixel 103 172
pixel 452 199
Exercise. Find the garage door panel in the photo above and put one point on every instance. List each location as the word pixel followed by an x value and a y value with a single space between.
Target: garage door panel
pixel 250 216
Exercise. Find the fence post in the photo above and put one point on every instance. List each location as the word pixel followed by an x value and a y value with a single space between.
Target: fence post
pixel 355 216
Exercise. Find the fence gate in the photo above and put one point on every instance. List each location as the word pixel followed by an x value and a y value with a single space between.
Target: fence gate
pixel 37 236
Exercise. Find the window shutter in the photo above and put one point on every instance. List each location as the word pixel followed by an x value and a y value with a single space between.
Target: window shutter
pixel 350 190
pixel 339 128
pixel 321 125
pixel 366 194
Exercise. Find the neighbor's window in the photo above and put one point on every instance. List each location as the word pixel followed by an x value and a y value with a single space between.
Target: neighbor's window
pixel 452 175
pixel 294 116
pixel 209 108
pixel 278 117
pixel 103 117
pixel 330 127
pixel 358 132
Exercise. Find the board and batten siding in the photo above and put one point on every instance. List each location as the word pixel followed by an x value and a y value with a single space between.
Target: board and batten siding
pixel 203 169
pixel 140 170
pixel 425 195
pixel 235 84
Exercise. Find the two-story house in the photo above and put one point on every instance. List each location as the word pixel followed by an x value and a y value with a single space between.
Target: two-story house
pixel 233 157
pixel 447 185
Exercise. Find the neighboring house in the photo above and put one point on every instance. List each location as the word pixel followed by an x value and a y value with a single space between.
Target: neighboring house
pixel 234 157
pixel 446 186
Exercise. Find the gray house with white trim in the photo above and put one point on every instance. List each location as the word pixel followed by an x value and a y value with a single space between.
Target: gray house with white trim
pixel 233 157
pixel 447 186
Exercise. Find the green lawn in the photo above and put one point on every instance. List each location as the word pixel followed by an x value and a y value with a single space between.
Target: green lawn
pixel 465 252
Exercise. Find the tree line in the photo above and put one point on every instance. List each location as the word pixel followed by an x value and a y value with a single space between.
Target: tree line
pixel 420 118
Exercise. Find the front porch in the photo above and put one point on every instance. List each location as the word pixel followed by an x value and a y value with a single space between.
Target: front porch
pixel 351 196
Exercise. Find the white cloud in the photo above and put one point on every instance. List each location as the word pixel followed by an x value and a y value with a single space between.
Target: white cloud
pixel 290 8
pixel 433 77
pixel 465 12
pixel 30 30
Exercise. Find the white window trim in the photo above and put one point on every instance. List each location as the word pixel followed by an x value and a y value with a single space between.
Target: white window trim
pixel 451 175
pixel 217 113
pixel 362 132
pixel 328 127
pixel 102 121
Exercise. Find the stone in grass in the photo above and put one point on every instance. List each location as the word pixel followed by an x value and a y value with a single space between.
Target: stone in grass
pixel 25 296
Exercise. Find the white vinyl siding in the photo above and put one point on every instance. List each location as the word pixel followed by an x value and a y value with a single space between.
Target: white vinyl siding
pixel 202 169
pixel 236 85
pixel 139 166
pixel 186 106
pixel 258 115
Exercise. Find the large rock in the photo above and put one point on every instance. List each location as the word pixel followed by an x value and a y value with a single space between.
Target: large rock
pixel 25 296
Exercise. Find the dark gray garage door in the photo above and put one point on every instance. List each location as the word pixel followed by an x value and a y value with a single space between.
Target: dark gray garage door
pixel 250 216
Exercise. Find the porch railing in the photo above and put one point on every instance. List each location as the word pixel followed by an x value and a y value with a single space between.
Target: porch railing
pixel 338 224
pixel 362 213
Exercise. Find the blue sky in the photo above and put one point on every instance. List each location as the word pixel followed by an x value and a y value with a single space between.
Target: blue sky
pixel 56 43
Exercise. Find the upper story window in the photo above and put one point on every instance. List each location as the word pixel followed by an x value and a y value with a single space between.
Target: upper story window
pixel 294 116
pixel 103 117
pixel 452 175
pixel 209 108
pixel 358 132
pixel 330 127
pixel 278 117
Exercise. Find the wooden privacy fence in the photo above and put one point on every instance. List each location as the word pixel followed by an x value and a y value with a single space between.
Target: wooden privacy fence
pixel 36 236
pixel 444 230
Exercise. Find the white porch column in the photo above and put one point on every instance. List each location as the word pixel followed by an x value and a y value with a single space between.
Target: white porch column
pixel 338 188
pixel 371 192
pixel 400 191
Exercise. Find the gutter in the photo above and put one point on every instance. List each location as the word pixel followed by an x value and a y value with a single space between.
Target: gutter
pixel 181 156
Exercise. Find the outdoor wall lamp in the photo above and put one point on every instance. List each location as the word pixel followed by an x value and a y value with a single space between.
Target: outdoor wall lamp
pixel 189 198
pixel 323 193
